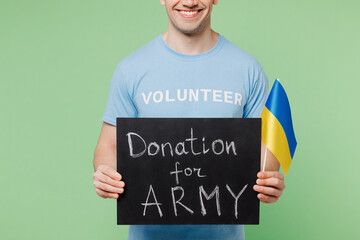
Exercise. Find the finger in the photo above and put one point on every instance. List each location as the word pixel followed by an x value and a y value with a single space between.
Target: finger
pixel 267 199
pixel 110 172
pixel 99 176
pixel 107 188
pixel 274 192
pixel 270 174
pixel 273 182
pixel 104 194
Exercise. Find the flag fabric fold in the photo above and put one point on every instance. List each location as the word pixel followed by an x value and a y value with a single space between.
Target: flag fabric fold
pixel 277 129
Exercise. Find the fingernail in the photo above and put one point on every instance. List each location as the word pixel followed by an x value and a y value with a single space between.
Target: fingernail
pixel 258 181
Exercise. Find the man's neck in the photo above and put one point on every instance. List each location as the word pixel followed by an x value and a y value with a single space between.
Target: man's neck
pixel 191 44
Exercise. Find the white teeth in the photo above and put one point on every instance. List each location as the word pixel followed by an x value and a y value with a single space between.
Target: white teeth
pixel 188 13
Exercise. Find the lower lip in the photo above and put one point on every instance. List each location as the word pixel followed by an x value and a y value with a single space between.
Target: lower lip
pixel 189 16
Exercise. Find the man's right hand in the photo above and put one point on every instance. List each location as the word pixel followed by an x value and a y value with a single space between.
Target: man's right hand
pixel 108 182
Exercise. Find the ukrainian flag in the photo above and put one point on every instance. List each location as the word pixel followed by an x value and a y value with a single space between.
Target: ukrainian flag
pixel 277 129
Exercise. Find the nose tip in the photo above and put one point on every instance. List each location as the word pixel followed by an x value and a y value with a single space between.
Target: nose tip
pixel 190 2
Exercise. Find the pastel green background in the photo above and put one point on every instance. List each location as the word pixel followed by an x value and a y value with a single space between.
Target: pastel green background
pixel 56 62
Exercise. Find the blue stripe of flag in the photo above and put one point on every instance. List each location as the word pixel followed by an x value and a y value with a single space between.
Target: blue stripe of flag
pixel 278 104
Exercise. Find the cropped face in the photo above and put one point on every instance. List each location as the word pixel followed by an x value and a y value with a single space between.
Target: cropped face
pixel 189 16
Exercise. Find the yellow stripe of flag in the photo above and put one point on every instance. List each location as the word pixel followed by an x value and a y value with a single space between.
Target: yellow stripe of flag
pixel 274 138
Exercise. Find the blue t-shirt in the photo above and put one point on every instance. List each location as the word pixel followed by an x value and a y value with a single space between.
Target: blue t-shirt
pixel 156 81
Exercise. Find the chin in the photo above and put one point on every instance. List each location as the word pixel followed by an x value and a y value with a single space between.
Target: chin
pixel 189 31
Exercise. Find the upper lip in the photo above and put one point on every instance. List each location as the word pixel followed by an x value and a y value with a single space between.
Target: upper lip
pixel 189 10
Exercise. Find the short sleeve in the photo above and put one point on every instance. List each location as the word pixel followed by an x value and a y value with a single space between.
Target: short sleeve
pixel 119 103
pixel 258 96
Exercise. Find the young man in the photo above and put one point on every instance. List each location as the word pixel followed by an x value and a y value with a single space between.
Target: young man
pixel 188 71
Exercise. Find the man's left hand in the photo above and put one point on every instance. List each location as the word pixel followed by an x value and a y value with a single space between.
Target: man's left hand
pixel 270 185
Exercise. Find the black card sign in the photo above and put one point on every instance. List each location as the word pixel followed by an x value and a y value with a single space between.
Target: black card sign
pixel 188 170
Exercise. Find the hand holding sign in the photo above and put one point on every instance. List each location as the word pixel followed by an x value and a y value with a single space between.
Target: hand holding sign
pixel 270 186
pixel 108 182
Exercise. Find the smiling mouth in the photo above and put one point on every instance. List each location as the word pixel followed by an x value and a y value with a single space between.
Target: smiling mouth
pixel 189 13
